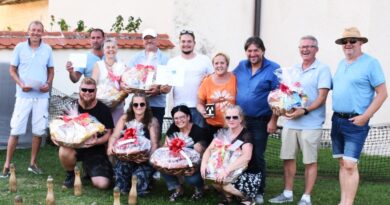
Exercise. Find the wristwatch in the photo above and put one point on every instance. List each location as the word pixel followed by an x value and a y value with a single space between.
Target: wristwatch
pixel 306 111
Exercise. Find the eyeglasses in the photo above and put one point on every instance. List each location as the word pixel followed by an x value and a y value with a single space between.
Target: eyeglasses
pixel 139 104
pixel 307 47
pixel 234 117
pixel 179 118
pixel 186 32
pixel 90 90
pixel 349 40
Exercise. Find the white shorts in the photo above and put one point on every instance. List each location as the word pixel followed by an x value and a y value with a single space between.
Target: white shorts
pixel 22 110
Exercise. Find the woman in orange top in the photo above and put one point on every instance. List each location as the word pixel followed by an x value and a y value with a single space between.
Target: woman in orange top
pixel 215 93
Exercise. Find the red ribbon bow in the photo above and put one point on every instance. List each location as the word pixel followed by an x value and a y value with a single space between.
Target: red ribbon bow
pixel 284 88
pixel 145 70
pixel 176 145
pixel 80 119
pixel 131 133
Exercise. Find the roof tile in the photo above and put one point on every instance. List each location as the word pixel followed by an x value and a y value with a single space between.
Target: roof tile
pixel 79 40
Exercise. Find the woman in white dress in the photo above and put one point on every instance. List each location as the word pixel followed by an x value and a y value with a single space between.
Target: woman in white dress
pixel 109 69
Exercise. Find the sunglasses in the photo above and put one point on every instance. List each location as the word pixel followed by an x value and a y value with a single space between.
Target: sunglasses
pixel 186 32
pixel 235 117
pixel 90 90
pixel 139 104
pixel 351 41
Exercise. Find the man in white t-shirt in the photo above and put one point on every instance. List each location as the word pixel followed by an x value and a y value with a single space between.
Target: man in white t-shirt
pixel 196 66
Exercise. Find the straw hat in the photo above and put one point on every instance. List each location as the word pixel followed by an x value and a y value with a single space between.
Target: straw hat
pixel 352 32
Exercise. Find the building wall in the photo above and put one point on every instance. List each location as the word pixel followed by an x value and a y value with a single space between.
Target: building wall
pixel 18 16
pixel 284 22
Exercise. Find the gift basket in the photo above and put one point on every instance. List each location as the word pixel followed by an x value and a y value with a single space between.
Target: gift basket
pixel 140 77
pixel 109 91
pixel 73 129
pixel 222 154
pixel 178 158
pixel 290 93
pixel 133 145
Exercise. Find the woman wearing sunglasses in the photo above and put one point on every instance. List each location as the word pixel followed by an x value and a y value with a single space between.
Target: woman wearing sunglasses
pixel 183 123
pixel 139 110
pixel 217 91
pixel 110 69
pixel 247 184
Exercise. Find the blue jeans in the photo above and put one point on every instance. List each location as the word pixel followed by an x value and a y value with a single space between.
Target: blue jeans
pixel 173 182
pixel 197 118
pixel 347 139
pixel 258 129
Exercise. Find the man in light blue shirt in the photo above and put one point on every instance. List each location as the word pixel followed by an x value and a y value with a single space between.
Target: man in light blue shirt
pixel 359 90
pixel 303 126
pixel 96 37
pixel 33 71
pixel 152 55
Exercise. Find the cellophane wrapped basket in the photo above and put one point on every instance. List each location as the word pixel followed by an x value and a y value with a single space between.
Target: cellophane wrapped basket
pixel 133 145
pixel 73 129
pixel 290 94
pixel 222 154
pixel 140 77
pixel 178 158
pixel 109 91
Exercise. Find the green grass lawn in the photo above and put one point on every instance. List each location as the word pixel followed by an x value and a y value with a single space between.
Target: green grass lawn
pixel 33 188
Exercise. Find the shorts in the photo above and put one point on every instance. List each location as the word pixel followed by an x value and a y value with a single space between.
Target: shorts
pixel 22 110
pixel 308 141
pixel 347 139
pixel 95 162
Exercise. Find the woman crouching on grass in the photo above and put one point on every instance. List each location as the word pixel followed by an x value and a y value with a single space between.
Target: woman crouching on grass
pixel 246 184
pixel 139 110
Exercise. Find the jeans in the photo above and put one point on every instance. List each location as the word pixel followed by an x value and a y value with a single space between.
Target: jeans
pixel 159 112
pixel 197 118
pixel 347 139
pixel 124 171
pixel 258 128
pixel 193 180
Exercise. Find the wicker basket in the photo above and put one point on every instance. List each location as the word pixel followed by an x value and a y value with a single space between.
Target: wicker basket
pixel 177 171
pixel 140 157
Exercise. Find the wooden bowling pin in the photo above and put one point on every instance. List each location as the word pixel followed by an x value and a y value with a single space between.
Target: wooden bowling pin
pixel 12 179
pixel 50 200
pixel 78 187
pixel 18 200
pixel 117 195
pixel 133 191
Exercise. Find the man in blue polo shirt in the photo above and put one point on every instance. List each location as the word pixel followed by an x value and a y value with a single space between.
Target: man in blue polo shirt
pixel 255 80
pixel 359 90
pixel 96 38
pixel 32 69
pixel 302 129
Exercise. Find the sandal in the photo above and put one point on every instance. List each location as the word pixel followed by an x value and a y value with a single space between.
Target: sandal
pixel 175 195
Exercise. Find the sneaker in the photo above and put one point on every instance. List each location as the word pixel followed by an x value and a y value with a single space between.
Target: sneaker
pixel 175 195
pixel 197 195
pixel 304 202
pixel 69 181
pixel 259 199
pixel 34 169
pixel 5 173
pixel 280 199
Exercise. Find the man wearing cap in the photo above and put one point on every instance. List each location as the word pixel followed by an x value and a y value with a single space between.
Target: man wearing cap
pixel 196 67
pixel 361 75
pixel 152 55
pixel 96 39
pixel 302 128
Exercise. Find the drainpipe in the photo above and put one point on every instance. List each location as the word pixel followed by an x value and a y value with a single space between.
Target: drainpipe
pixel 257 18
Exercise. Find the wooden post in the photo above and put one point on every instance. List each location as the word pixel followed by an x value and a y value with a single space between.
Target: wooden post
pixel 78 187
pixel 50 200
pixel 12 179
pixel 117 195
pixel 133 191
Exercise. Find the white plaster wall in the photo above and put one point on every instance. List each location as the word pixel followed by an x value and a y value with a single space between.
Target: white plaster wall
pixel 284 22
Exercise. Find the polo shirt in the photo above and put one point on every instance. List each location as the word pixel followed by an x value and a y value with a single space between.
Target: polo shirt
pixel 312 79
pixel 32 66
pixel 253 90
pixel 354 84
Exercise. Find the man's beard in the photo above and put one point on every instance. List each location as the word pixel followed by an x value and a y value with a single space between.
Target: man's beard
pixel 87 103
pixel 187 52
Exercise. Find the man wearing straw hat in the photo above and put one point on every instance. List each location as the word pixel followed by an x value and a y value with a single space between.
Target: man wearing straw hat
pixel 361 75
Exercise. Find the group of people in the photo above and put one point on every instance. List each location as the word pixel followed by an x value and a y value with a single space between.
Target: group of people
pixel 211 99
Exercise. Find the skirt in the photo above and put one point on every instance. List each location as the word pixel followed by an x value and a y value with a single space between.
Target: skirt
pixel 248 184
